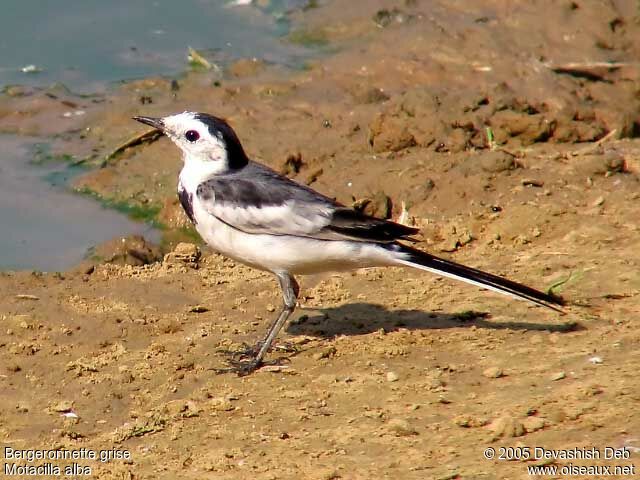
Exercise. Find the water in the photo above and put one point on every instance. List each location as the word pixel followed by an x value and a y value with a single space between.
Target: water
pixel 88 45
pixel 44 227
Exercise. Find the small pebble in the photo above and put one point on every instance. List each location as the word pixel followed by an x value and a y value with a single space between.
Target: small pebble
pixel 493 372
pixel 463 421
pixel 467 421
pixel 558 376
pixel 496 162
pixel 596 360
pixel 326 353
pixel 198 309
pixel 24 296
pixel 401 428
pixel 184 253
pixel 448 476
pixel 392 377
pixel 533 424
pixel 220 404
pixel 531 182
pixel 507 427
pixel 61 406
pixel 13 367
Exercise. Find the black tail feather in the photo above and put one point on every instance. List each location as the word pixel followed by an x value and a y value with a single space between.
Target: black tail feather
pixel 472 275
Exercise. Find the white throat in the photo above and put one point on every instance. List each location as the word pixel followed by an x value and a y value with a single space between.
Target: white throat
pixel 195 171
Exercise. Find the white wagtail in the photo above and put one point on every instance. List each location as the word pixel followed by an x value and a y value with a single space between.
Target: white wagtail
pixel 256 216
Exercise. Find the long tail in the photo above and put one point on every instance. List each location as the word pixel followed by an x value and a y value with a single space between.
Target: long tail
pixel 418 259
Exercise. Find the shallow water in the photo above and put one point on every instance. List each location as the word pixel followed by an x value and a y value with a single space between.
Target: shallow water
pixel 88 45
pixel 42 226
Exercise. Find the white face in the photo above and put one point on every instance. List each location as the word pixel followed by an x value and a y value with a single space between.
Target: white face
pixel 194 139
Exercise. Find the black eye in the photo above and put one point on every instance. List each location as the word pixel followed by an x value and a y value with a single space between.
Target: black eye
pixel 192 135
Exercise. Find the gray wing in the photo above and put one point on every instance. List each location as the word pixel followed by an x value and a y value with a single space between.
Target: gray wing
pixel 258 200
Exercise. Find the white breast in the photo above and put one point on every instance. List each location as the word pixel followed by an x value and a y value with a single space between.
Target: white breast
pixel 275 253
pixel 284 253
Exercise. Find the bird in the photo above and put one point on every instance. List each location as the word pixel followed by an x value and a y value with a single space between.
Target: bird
pixel 249 212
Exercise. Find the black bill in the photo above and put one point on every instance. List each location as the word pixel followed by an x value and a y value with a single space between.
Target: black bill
pixel 152 122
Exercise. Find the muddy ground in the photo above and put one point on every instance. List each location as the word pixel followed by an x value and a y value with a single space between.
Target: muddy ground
pixel 506 130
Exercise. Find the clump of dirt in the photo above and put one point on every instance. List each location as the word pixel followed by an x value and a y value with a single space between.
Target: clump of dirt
pixel 132 250
pixel 447 122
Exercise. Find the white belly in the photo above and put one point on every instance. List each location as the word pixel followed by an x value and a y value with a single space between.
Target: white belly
pixel 283 253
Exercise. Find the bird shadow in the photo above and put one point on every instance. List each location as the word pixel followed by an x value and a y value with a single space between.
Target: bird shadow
pixel 363 318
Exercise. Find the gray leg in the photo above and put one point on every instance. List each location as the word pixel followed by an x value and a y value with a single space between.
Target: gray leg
pixel 290 290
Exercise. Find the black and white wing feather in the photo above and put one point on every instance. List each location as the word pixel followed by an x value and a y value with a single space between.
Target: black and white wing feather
pixel 260 201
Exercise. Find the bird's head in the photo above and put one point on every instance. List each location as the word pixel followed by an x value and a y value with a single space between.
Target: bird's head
pixel 202 138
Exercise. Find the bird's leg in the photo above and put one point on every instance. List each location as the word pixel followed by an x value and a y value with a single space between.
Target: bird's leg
pixel 290 290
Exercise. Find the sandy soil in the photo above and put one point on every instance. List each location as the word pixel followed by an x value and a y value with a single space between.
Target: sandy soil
pixel 397 374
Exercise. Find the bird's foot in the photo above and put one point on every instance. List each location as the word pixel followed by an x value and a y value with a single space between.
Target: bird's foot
pixel 241 367
pixel 243 361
